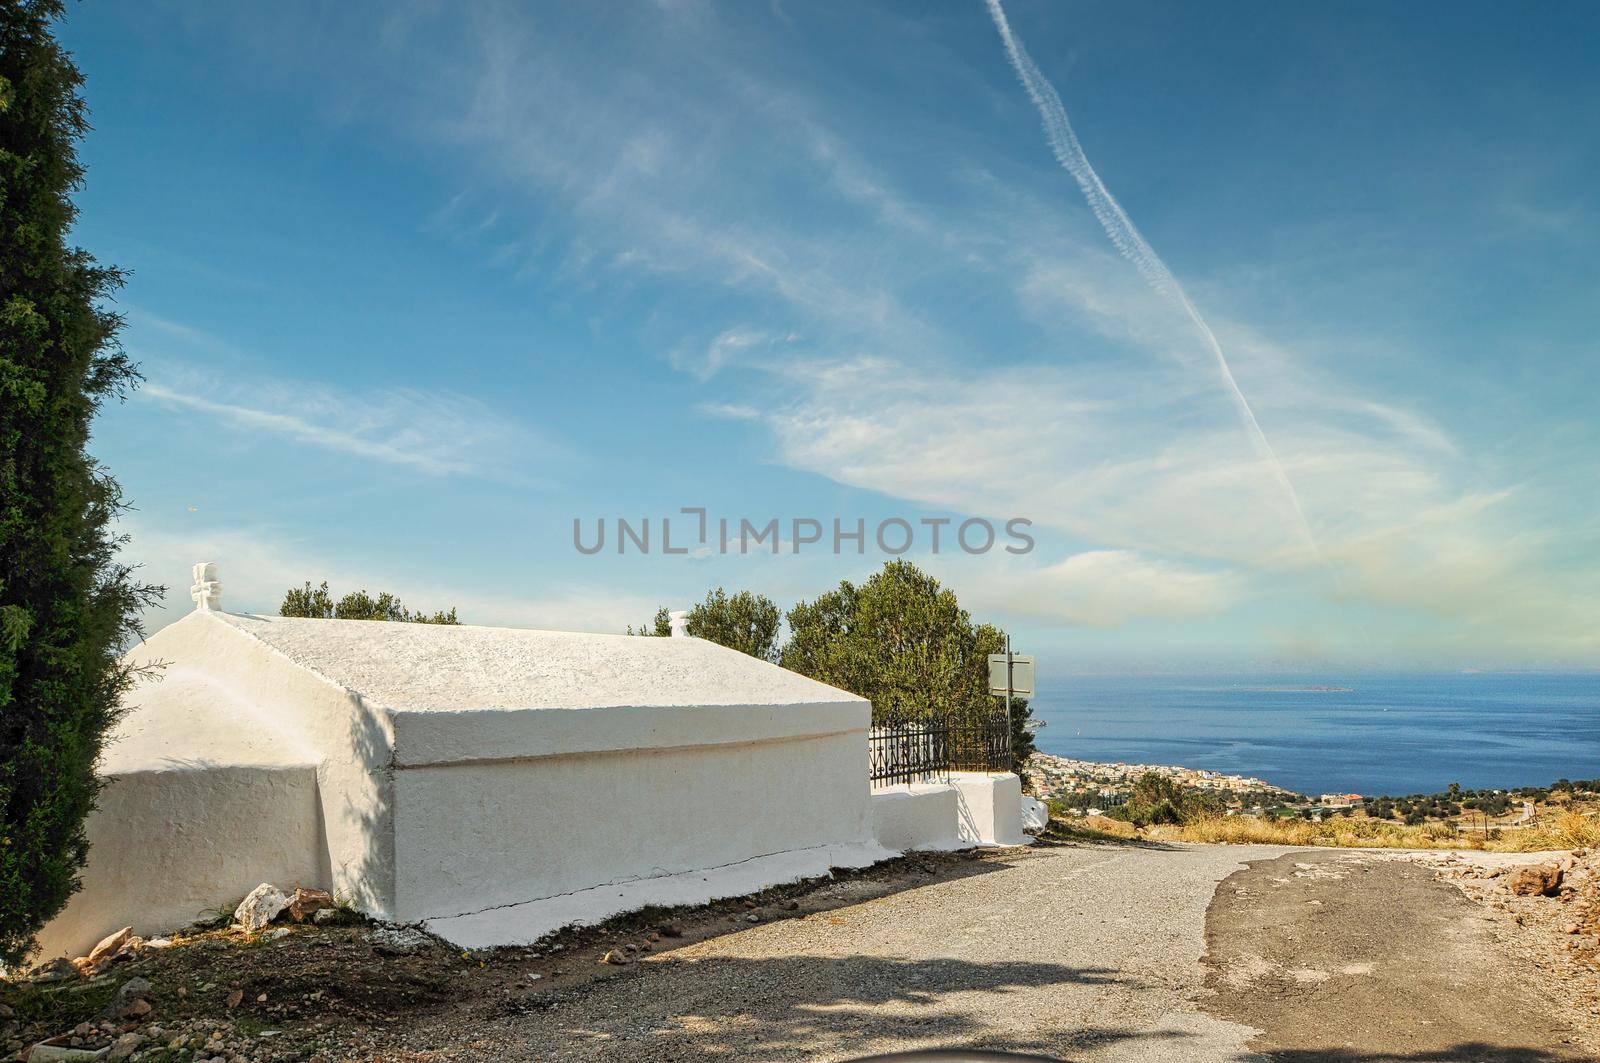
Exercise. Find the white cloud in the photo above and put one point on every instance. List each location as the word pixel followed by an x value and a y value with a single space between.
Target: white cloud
pixel 257 565
pixel 688 158
pixel 438 433
pixel 730 411
pixel 728 348
pixel 1104 589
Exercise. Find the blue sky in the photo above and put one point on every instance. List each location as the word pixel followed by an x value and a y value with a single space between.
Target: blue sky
pixel 415 285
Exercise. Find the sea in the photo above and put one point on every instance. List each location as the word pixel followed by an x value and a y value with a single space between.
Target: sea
pixel 1369 733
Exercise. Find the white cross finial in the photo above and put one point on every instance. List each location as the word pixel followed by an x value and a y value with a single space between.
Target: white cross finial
pixel 207 591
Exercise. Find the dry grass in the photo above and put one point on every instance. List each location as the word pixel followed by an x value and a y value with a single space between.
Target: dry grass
pixel 1568 830
pixel 1091 829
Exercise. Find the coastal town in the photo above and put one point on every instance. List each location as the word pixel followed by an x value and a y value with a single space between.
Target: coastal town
pixel 1088 786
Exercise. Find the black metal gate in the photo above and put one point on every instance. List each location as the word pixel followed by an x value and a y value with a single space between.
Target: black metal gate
pixel 907 749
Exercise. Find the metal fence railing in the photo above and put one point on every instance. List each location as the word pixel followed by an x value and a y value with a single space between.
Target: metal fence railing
pixel 981 744
pixel 904 749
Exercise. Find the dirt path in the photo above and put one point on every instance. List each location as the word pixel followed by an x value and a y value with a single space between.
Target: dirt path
pixel 1349 956
pixel 1086 953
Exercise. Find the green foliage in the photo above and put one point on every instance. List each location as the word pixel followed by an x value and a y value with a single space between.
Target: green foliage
pixel 899 639
pixel 659 626
pixel 1022 745
pixel 318 604
pixel 743 621
pixel 1155 798
pixel 307 601
pixel 67 608
pixel 903 641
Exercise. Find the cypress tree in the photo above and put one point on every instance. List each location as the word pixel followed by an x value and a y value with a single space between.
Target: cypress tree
pixel 68 609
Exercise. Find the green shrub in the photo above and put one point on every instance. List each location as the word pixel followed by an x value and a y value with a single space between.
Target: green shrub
pixel 67 608
pixel 318 604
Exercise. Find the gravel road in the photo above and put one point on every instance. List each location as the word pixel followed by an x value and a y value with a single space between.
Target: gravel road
pixel 1346 955
pixel 1128 953
pixel 1089 953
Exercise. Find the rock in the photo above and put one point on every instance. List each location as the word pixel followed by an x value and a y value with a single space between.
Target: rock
pixel 335 917
pixel 791 906
pixel 235 998
pixel 59 969
pixel 398 941
pixel 1035 815
pixel 670 930
pixel 110 945
pixel 1535 880
pixel 48 1053
pixel 307 903
pixel 616 957
pixel 277 933
pixel 129 1001
pixel 260 907
pixel 133 989
pixel 123 1047
pixel 753 917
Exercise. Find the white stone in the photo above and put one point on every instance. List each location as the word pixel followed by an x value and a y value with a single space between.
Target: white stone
pixel 260 906
pixel 972 809
pixel 989 808
pixel 916 816
pixel 206 591
pixel 1035 815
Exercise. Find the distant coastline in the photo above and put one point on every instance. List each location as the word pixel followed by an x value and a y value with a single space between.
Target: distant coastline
pixel 1053 775
pixel 1314 734
pixel 1299 690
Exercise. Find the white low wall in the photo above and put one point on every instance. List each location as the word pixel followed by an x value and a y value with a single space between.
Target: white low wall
pixel 169 846
pixel 504 851
pixel 989 808
pixel 916 816
pixel 972 809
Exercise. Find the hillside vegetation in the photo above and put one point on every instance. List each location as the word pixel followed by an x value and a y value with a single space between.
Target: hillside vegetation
pixel 1566 830
pixel 1567 816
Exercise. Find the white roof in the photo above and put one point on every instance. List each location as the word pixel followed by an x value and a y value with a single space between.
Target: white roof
pixel 434 667
pixel 202 723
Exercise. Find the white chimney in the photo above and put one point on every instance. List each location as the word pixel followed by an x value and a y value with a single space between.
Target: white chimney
pixel 207 591
pixel 679 622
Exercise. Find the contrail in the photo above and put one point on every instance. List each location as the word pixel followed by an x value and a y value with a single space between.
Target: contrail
pixel 1128 240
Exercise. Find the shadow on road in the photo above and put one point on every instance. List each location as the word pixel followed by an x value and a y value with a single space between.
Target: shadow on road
pixel 833 1007
pixel 1059 835
pixel 1465 1052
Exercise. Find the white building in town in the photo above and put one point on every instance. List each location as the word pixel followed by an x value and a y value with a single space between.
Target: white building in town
pixel 492 784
